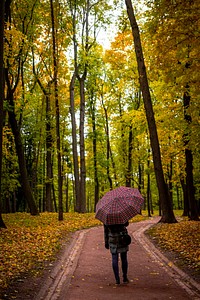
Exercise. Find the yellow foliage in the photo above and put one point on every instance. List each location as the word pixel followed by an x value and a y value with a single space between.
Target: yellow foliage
pixel 16 42
pixel 183 238
pixel 30 240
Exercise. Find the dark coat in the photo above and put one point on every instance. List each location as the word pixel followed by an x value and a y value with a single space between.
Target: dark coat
pixel 112 236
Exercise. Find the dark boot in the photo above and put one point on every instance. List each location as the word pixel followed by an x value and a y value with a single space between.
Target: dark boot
pixel 125 279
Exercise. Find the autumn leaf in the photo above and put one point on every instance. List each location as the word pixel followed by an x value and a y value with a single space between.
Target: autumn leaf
pixel 182 238
pixel 29 241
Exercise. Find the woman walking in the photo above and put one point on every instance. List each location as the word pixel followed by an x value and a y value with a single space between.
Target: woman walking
pixel 116 240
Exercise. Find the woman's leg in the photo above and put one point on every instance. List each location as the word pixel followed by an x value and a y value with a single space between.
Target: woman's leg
pixel 115 267
pixel 124 266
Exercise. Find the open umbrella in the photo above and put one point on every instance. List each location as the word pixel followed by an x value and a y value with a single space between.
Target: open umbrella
pixel 119 205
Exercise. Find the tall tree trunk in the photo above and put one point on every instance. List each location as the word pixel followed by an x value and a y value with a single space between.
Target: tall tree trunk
pixel 189 160
pixel 167 211
pixel 66 178
pixel 20 153
pixel 94 145
pixel 148 185
pixel 130 150
pixel 185 199
pixel 107 144
pixel 74 145
pixel 178 197
pixel 82 146
pixel 80 185
pixel 2 9
pixel 15 128
pixel 170 173
pixel 49 144
pixel 47 203
pixel 55 79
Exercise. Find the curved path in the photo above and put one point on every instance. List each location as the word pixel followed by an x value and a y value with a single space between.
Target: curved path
pixel 84 271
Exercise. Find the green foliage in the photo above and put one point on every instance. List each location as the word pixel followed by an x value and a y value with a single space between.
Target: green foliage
pixel 171 47
pixel 111 87
pixel 10 171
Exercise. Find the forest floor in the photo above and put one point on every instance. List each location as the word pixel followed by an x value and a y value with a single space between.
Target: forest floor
pixel 82 270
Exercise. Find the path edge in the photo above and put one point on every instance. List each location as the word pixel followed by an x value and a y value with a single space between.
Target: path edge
pixel 184 280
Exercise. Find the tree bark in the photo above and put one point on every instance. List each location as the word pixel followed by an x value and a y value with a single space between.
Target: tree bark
pixel 185 199
pixel 148 185
pixel 74 145
pixel 80 183
pixel 130 150
pixel 15 128
pixel 49 144
pixel 107 144
pixel 47 203
pixel 193 211
pixel 20 153
pixel 82 146
pixel 55 79
pixel 167 211
pixel 94 144
pixel 2 9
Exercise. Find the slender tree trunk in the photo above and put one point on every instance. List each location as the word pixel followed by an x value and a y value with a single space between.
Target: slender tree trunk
pixel 107 145
pixel 76 181
pixel 189 161
pixel 55 68
pixel 47 203
pixel 15 127
pixel 170 185
pixel 82 80
pixel 2 9
pixel 166 205
pixel 148 185
pixel 178 197
pixel 49 144
pixel 185 199
pixel 139 175
pixel 20 153
pixel 82 146
pixel 94 145
pixel 74 145
pixel 67 193
pixel 130 150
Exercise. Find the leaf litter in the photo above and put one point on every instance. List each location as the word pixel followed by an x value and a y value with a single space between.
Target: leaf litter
pixel 30 241
pixel 183 240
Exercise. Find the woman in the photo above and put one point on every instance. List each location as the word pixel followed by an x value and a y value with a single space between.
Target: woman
pixel 113 235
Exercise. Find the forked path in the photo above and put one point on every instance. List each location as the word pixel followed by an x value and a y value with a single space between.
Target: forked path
pixel 85 273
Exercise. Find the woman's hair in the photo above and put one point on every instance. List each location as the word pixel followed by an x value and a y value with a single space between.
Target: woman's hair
pixel 117 227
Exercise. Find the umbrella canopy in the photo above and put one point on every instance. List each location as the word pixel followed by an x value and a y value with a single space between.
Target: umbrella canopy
pixel 119 205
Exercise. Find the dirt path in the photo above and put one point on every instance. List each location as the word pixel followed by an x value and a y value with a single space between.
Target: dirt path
pixel 84 271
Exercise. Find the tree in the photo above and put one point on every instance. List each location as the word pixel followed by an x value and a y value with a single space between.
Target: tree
pixel 55 80
pixel 87 16
pixel 175 46
pixel 74 144
pixel 164 196
pixel 193 212
pixel 11 89
pixel 2 9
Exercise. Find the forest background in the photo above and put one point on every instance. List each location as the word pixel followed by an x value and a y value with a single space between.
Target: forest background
pixel 74 124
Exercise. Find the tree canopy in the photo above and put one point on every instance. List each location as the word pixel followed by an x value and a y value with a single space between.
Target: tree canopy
pixel 75 123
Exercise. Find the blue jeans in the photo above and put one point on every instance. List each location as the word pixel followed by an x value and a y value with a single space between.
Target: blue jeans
pixel 115 265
